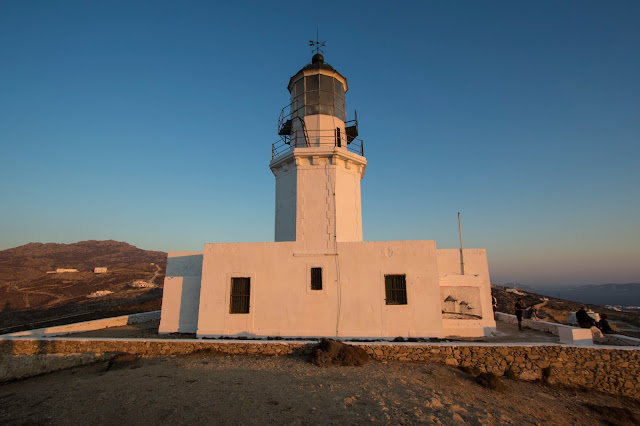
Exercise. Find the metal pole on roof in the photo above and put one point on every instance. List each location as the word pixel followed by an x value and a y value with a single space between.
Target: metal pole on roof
pixel 461 255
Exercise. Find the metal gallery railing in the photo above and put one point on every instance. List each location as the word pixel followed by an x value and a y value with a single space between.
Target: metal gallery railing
pixel 317 139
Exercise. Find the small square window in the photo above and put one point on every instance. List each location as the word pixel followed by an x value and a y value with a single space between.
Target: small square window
pixel 316 278
pixel 396 289
pixel 240 295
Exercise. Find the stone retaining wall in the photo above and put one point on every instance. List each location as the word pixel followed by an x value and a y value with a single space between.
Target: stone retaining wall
pixel 14 367
pixel 608 369
pixel 618 340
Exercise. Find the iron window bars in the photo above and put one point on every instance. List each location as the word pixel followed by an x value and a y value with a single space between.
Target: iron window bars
pixel 396 289
pixel 316 278
pixel 240 294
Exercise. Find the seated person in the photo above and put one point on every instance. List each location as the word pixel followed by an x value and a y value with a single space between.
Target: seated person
pixel 604 326
pixel 583 318
pixel 530 313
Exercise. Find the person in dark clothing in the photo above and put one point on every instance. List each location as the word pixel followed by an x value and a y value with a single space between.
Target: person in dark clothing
pixel 604 326
pixel 494 305
pixel 583 318
pixel 519 307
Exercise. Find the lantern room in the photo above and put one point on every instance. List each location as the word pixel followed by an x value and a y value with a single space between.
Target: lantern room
pixel 316 115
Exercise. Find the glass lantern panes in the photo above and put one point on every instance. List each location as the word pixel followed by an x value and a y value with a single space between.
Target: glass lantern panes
pixel 320 94
pixel 326 83
pixel 312 82
pixel 326 97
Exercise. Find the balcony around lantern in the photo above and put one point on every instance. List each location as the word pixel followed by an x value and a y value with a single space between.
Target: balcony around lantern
pixel 295 132
pixel 299 138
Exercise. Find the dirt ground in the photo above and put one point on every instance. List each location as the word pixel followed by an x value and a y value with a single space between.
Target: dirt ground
pixel 198 389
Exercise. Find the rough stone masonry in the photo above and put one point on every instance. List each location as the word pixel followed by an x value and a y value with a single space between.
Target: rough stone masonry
pixel 611 370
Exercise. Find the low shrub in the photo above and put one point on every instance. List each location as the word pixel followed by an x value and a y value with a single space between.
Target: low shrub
pixel 329 352
pixel 473 371
pixel 490 381
pixel 122 360
pixel 510 374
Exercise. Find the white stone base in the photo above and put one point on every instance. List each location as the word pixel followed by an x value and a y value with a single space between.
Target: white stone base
pixel 350 305
pixel 575 336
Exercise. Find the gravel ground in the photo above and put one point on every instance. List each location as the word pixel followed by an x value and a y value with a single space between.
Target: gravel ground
pixel 198 389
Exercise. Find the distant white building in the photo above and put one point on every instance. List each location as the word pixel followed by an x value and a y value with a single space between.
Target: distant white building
pixel 515 291
pixel 100 293
pixel 142 284
pixel 100 270
pixel 61 271
pixel 319 278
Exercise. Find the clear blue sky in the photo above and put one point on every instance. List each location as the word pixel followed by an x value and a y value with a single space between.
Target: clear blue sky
pixel 151 122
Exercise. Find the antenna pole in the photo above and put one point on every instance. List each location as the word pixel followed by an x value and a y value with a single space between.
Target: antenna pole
pixel 461 255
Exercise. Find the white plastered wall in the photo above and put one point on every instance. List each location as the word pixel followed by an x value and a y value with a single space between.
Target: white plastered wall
pixel 321 130
pixel 351 303
pixel 364 311
pixel 181 294
pixel 286 193
pixel 476 275
pixel 348 202
pixel 318 196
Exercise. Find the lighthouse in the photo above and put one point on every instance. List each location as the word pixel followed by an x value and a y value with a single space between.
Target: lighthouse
pixel 319 278
pixel 318 162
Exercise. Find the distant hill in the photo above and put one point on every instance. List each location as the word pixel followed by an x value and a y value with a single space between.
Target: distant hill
pixel 31 298
pixel 603 294
pixel 557 310
pixel 37 258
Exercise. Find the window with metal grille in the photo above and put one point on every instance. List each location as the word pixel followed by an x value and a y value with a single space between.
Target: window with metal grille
pixel 316 278
pixel 396 289
pixel 240 292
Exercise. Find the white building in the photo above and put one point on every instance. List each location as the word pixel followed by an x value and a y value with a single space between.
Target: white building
pixel 100 270
pixel 319 278
pixel 100 293
pixel 142 284
pixel 62 271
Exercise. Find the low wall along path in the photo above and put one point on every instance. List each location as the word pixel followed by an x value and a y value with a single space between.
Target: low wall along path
pixel 607 369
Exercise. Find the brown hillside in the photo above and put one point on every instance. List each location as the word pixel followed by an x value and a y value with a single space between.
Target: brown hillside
pixel 31 298
pixel 557 310
pixel 33 259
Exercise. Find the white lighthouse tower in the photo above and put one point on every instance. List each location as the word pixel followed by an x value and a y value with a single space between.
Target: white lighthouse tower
pixel 319 162
pixel 319 278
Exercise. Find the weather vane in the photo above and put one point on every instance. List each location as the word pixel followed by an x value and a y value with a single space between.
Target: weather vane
pixel 317 45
